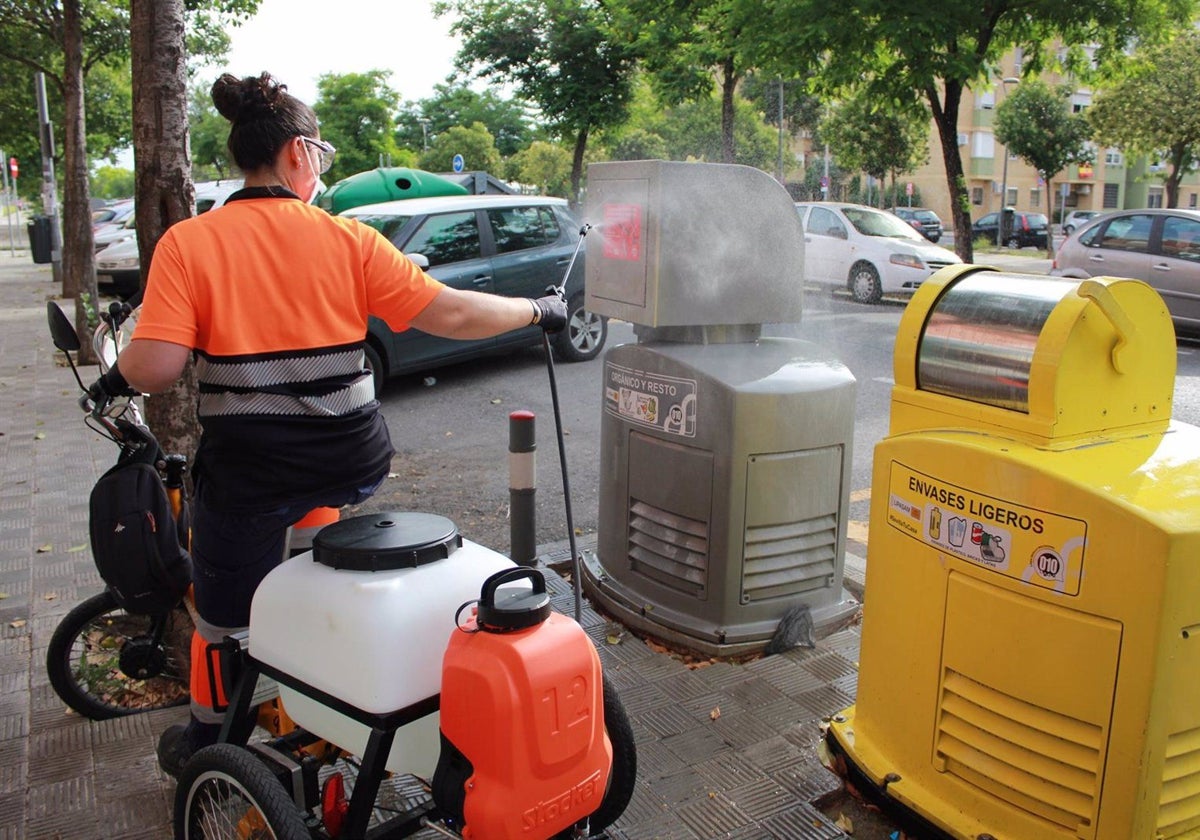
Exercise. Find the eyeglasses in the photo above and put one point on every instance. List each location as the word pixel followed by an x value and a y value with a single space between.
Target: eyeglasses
pixel 326 151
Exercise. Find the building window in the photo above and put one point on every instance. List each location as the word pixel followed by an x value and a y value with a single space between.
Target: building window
pixel 977 196
pixel 983 145
pixel 1018 59
pixel 1112 157
pixel 1011 199
pixel 987 99
pixel 1154 198
pixel 1192 201
pixel 1112 196
pixel 1035 197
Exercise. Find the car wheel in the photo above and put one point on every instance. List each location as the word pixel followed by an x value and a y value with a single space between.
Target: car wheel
pixel 864 283
pixel 935 237
pixel 375 365
pixel 583 337
pixel 1013 243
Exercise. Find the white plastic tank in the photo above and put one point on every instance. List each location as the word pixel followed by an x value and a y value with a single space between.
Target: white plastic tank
pixel 365 617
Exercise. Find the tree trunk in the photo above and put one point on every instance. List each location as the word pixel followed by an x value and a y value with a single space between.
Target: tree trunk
pixel 945 116
pixel 78 256
pixel 1049 215
pixel 577 168
pixel 729 80
pixel 163 176
pixel 1179 160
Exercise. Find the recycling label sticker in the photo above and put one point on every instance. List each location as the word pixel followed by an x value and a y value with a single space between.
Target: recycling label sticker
pixel 666 403
pixel 1032 545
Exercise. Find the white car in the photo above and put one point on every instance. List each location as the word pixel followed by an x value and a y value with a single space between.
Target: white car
pixel 118 266
pixel 868 251
pixel 1077 219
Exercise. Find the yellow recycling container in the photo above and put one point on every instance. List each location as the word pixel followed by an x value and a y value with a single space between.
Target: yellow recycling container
pixel 1030 663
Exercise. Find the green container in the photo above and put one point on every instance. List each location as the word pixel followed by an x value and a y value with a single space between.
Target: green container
pixel 385 184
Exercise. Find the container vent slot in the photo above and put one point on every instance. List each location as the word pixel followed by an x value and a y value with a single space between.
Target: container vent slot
pixel 1034 758
pixel 668 548
pixel 1179 801
pixel 787 559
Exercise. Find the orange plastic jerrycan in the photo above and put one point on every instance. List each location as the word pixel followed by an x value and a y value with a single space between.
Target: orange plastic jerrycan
pixel 524 750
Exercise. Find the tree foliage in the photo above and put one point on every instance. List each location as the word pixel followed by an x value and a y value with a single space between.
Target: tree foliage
pixel 686 46
pixel 1035 123
pixel 546 166
pixel 1153 110
pixel 878 141
pixel 356 112
pixel 474 142
pixel 556 54
pixel 456 104
pixel 936 51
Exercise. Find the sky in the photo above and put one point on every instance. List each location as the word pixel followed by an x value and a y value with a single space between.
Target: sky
pixel 299 40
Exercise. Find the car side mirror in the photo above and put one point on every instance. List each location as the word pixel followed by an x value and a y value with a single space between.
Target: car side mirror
pixel 419 260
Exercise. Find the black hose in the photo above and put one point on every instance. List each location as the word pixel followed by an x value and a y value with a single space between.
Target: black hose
pixel 576 578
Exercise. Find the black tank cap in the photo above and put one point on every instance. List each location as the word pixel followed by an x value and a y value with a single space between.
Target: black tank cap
pixel 500 612
pixel 381 542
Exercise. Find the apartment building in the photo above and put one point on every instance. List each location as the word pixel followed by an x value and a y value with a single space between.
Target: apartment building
pixel 1112 181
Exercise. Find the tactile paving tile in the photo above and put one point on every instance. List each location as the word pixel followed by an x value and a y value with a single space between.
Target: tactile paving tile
pixel 829 667
pixel 694 746
pixel 802 823
pixel 680 787
pixel 729 771
pixel 762 798
pixel 712 816
pixel 655 760
pixel 776 753
pixel 780 714
pixel 741 730
pixel 668 720
pixel 638 699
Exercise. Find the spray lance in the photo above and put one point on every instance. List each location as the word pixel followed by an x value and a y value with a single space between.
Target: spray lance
pixel 560 290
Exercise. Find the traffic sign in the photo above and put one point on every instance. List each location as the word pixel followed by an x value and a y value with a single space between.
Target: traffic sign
pixel 908 188
pixel 458 163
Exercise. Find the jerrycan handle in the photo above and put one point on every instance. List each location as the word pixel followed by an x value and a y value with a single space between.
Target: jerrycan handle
pixel 516 610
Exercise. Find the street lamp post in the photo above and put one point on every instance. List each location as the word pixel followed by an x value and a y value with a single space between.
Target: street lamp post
pixel 1005 82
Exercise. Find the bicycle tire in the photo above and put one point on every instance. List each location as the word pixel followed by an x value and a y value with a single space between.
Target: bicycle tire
pixel 226 793
pixel 623 776
pixel 84 659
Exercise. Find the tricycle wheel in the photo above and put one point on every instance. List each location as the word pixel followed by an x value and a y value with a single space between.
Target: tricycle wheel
pixel 104 662
pixel 623 775
pixel 225 793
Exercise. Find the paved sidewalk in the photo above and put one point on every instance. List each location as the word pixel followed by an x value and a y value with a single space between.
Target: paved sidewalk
pixel 750 772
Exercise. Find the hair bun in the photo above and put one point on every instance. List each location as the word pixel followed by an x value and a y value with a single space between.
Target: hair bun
pixel 240 100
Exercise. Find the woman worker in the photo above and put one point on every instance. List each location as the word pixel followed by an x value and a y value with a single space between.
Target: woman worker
pixel 272 296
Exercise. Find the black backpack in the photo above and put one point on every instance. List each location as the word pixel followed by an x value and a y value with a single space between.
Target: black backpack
pixel 136 541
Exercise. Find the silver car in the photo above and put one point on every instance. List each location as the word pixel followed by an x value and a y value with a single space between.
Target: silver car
pixel 1161 247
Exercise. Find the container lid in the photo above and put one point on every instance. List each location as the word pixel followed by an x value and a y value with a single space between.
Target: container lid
pixel 380 542
pixel 503 611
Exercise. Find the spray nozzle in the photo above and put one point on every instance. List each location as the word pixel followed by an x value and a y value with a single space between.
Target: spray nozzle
pixel 583 231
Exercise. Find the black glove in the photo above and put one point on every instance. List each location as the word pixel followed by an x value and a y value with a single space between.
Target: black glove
pixel 109 386
pixel 550 311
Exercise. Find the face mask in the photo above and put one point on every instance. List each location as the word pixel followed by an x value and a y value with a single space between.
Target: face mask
pixel 316 187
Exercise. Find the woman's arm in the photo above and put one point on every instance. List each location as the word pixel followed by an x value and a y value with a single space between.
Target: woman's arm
pixel 150 366
pixel 457 313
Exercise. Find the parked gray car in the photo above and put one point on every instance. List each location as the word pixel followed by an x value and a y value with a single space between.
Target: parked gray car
pixel 1161 247
pixel 507 244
